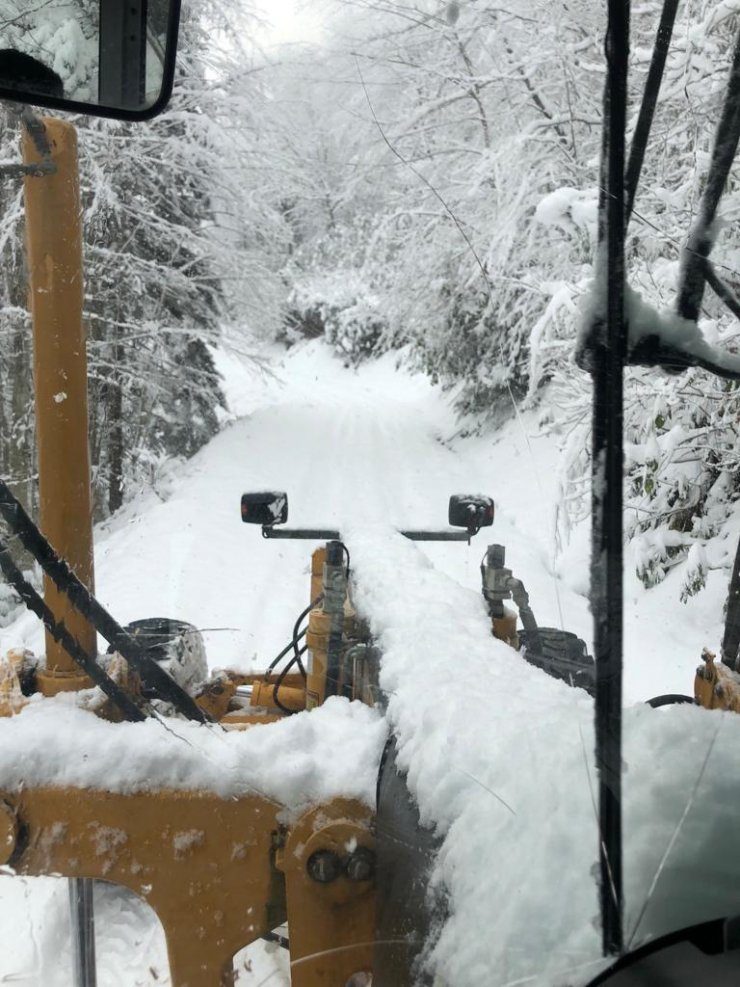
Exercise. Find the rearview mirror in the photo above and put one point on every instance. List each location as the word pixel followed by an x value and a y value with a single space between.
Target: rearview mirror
pixel 471 511
pixel 266 508
pixel 106 57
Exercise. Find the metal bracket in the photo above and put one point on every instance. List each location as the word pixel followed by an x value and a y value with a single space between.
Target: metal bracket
pixel 37 133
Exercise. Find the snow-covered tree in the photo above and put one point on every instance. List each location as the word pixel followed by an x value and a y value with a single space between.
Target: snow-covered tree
pixel 16 389
pixel 178 242
pixel 681 442
pixel 457 119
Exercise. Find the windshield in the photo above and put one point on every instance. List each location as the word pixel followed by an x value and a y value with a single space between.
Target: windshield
pixel 359 266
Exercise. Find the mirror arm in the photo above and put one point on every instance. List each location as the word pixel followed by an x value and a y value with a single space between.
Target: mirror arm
pixel 36 131
pixel 326 534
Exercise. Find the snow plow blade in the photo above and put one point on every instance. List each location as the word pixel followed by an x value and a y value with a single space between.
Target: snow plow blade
pixel 406 913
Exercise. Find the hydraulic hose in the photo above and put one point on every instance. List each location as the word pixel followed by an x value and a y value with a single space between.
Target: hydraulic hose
pixel 521 598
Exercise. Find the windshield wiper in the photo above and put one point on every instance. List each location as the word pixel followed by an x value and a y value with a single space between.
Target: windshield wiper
pixel 622 330
pixel 606 493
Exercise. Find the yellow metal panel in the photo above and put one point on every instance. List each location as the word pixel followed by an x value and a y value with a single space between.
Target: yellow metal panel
pixel 204 863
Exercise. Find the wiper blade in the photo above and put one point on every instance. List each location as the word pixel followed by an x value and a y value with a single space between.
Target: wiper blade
pixel 606 495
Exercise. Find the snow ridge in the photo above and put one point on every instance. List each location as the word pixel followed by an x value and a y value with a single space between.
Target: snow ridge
pixel 500 758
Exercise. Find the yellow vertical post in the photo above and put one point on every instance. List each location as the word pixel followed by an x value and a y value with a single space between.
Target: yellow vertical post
pixel 60 378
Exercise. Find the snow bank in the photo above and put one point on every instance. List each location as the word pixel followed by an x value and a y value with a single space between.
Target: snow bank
pixel 301 761
pixel 500 759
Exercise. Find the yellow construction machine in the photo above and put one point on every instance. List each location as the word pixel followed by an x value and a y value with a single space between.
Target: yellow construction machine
pixel 319 871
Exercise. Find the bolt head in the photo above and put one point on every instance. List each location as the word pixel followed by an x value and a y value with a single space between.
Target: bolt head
pixel 360 864
pixel 324 866
pixel 362 978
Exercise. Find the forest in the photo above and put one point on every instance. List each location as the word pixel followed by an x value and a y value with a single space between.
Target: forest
pixel 425 181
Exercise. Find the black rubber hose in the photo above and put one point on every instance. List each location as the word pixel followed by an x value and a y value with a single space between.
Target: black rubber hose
pixel 281 678
pixel 59 632
pixel 296 636
pixel 670 699
pixel 276 661
pixel 521 598
pixel 85 603
pixel 297 655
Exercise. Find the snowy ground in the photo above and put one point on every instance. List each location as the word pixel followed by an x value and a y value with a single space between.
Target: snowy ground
pixel 367 450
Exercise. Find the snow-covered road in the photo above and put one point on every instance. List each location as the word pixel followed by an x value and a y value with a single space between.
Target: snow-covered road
pixel 349 447
pixel 375 444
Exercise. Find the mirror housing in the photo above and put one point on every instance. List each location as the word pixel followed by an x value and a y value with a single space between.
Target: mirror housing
pixel 267 508
pixel 121 63
pixel 471 511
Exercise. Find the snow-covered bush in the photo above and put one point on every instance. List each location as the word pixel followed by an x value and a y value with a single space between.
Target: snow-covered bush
pixel 681 450
pixel 425 174
pixel 341 308
pixel 683 478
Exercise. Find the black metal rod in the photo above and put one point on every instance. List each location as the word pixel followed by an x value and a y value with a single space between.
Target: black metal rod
pixel 327 534
pixel 82 919
pixel 334 592
pixel 306 534
pixel 85 603
pixel 699 245
pixel 438 535
pixel 649 102
pixel 607 473
pixel 59 632
pixel 731 636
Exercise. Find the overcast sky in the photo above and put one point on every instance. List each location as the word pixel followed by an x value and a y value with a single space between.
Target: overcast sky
pixel 291 20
